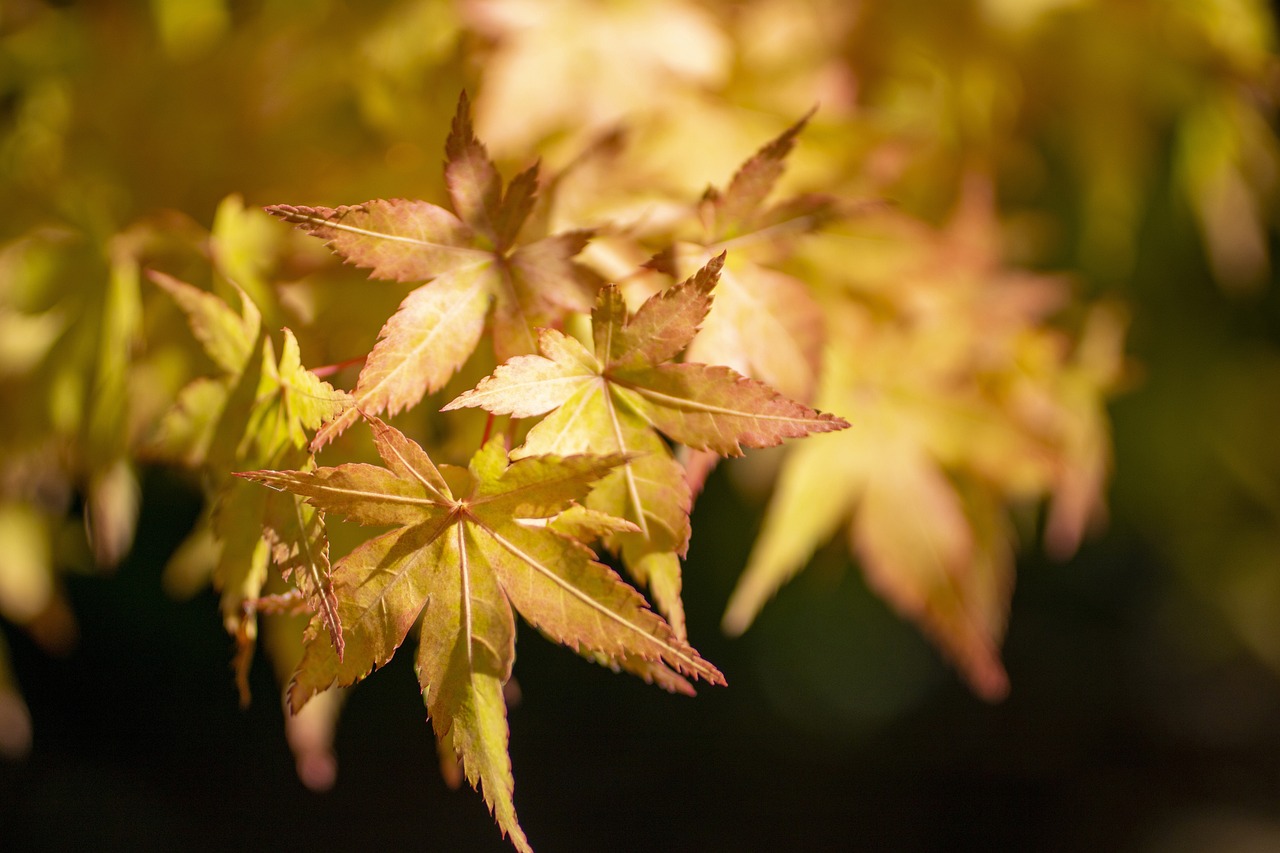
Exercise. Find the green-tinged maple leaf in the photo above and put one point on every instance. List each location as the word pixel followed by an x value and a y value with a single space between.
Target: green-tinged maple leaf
pixel 241 570
pixel 621 396
pixel 261 406
pixel 111 511
pixel 244 246
pixel 258 413
pixel 230 340
pixel 295 532
pixel 468 546
pixel 469 258
pixel 27 582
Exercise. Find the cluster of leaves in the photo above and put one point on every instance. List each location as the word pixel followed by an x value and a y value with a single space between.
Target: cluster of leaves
pixel 513 529
pixel 974 392
pixel 257 414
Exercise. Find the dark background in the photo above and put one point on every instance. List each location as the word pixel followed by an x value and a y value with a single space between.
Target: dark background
pixel 1127 727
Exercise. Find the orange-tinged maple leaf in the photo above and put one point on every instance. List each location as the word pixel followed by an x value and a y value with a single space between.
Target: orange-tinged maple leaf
pixel 618 398
pixel 906 522
pixel 918 552
pixel 1096 369
pixel 468 546
pixel 764 323
pixel 964 402
pixel 469 258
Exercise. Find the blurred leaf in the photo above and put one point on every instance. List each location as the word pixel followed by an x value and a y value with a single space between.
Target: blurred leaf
pixel 15 718
pixel 26 575
pixel 190 28
pixel 638 53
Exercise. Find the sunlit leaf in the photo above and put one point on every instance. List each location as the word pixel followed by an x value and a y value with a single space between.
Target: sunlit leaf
pixel 619 397
pixel 461 559
pixel 468 258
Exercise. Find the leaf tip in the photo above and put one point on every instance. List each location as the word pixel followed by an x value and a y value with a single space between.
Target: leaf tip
pixel 294 700
pixel 708 277
pixel 994 688
pixel 832 423
pixel 735 622
pixel 287 212
pixel 461 132
pixel 744 605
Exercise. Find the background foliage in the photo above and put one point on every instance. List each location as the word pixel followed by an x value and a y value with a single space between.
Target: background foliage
pixel 1019 178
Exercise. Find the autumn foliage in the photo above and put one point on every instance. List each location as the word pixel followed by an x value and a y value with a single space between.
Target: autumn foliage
pixel 425 403
pixel 514 529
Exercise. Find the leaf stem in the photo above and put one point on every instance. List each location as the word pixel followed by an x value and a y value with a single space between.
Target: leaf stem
pixel 330 369
pixel 488 428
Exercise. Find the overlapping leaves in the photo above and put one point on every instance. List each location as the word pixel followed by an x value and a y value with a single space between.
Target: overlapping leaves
pixel 468 256
pixel 755 300
pixel 623 395
pixel 467 547
pixel 258 412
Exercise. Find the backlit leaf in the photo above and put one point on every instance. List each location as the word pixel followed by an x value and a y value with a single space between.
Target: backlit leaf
pixel 618 399
pixel 467 547
pixel 469 261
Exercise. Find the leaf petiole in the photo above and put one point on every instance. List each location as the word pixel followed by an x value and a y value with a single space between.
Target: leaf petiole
pixel 330 369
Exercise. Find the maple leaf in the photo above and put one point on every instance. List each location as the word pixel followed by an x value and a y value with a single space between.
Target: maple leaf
pixel 755 301
pixel 963 404
pixel 112 493
pixel 623 396
pixel 258 413
pixel 468 257
pixel 905 520
pixel 468 546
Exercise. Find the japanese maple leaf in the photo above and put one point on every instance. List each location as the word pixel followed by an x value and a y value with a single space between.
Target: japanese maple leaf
pixel 468 546
pixel 259 412
pixel 1096 370
pixel 623 396
pixel 963 407
pixel 755 301
pixel 469 257
pixel 905 519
